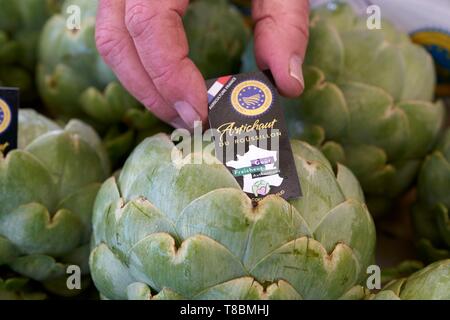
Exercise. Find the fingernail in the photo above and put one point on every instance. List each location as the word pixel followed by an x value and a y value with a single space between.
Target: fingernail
pixel 178 123
pixel 187 113
pixel 295 69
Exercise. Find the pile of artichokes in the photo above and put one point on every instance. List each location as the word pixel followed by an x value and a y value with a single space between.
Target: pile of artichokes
pixel 47 191
pixel 431 215
pixel 367 102
pixel 20 26
pixel 366 130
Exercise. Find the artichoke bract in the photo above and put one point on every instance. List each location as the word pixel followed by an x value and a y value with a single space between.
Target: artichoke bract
pixel 367 101
pixel 217 36
pixel 430 283
pixel 74 81
pixel 431 214
pixel 15 288
pixel 47 191
pixel 174 230
pixel 20 26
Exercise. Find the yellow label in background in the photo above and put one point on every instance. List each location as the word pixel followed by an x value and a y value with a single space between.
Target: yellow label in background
pixel 437 43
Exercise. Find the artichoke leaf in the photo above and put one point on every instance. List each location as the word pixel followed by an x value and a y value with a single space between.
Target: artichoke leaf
pixel 33 231
pixel 39 267
pixel 66 154
pixel 156 260
pixel 17 188
pixel 8 252
pixel 247 231
pixel 111 276
pixel 320 190
pixel 305 264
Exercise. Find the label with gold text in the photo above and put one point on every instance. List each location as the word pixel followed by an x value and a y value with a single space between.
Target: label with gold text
pixel 251 136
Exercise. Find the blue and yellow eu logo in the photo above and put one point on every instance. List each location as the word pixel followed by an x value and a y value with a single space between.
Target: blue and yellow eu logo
pixel 5 116
pixel 251 98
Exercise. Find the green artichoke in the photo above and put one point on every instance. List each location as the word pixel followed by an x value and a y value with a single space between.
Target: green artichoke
pixel 430 283
pixel 47 191
pixel 74 82
pixel 20 26
pixel 15 288
pixel 367 101
pixel 431 217
pixel 171 230
pixel 217 36
pixel 402 270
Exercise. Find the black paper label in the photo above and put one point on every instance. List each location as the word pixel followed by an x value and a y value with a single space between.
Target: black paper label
pixel 9 102
pixel 250 134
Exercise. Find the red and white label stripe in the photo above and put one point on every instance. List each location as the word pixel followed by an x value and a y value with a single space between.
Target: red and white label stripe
pixel 217 87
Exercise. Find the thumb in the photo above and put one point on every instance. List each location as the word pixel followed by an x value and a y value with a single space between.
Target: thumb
pixel 281 37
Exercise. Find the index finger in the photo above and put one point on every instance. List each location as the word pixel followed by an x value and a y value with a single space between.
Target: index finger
pixel 156 28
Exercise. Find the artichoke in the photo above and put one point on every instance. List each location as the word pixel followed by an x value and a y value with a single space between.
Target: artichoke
pixel 20 26
pixel 430 283
pixel 74 82
pixel 431 217
pixel 174 230
pixel 401 270
pixel 16 288
pixel 367 101
pixel 47 191
pixel 217 36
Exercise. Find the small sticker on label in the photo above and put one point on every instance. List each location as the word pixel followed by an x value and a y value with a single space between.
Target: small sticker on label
pixel 9 102
pixel 250 134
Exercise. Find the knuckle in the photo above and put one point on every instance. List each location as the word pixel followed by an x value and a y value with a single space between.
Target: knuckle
pixel 166 74
pixel 154 103
pixel 109 45
pixel 163 75
pixel 301 28
pixel 173 72
pixel 151 102
pixel 139 17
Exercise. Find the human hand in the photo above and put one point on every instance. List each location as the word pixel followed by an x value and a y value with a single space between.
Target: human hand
pixel 144 43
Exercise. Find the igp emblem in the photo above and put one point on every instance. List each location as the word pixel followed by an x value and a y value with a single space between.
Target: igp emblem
pixel 251 98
